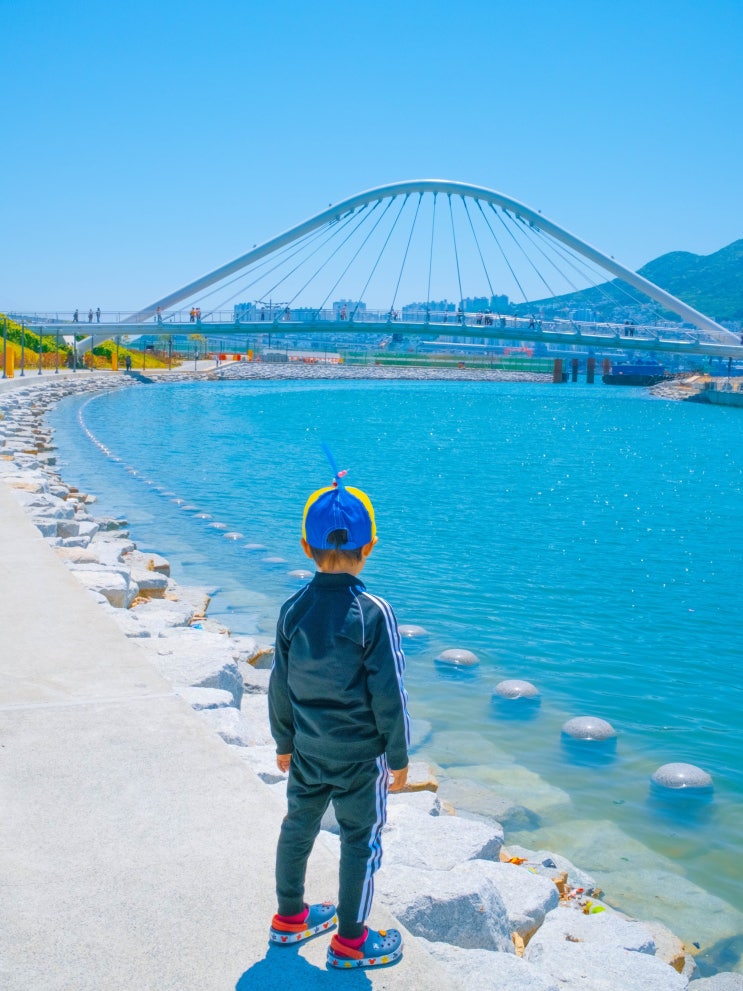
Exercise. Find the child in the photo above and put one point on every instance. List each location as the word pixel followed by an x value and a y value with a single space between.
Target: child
pixel 339 717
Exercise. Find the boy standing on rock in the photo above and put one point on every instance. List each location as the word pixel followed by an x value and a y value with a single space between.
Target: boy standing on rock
pixel 338 711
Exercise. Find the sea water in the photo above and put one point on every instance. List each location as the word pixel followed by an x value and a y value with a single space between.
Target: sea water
pixel 584 538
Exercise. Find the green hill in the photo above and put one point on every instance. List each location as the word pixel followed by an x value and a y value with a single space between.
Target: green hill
pixel 712 284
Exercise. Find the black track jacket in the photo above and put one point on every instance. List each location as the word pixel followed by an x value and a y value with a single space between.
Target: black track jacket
pixel 336 689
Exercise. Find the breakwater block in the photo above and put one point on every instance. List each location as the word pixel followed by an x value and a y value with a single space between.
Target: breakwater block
pixel 589 740
pixel 458 659
pixel 516 699
pixel 410 630
pixel 683 792
pixel 681 776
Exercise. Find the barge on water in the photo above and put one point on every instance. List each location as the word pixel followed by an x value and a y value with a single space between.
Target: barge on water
pixel 638 373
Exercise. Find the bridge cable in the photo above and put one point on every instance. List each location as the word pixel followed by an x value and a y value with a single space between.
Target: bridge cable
pixel 604 286
pixel 359 249
pixel 407 249
pixel 290 251
pixel 456 253
pixel 500 248
pixel 591 273
pixel 381 252
pixel 477 245
pixel 550 290
pixel 430 260
pixel 345 240
pixel 351 216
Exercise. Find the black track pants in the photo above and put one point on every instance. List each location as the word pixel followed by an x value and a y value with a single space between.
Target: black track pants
pixel 359 796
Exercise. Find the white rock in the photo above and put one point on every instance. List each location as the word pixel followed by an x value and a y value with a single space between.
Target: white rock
pixel 606 928
pixel 527 897
pixel 262 759
pixel 162 614
pixel 151 583
pixel 602 968
pixel 425 802
pixel 148 561
pixel 726 981
pixel 447 906
pixel 116 587
pixel 487 970
pixel 189 657
pixel 539 861
pixel 205 698
pixel 670 949
pixel 255 679
pixel 437 842
pixel 46 525
pixel 77 555
pixel 255 710
pixel 230 724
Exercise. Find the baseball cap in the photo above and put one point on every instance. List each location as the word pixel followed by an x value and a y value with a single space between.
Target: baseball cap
pixel 338 507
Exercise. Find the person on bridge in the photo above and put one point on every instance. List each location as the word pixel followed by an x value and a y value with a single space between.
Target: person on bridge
pixel 338 712
pixel 75 317
pixel 97 314
pixel 90 315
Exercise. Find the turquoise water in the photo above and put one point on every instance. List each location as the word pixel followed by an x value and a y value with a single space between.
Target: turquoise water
pixel 584 538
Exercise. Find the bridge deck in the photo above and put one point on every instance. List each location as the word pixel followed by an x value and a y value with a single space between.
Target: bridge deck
pixel 659 339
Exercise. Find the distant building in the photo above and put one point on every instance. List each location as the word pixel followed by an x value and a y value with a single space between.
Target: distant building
pixel 243 311
pixel 344 309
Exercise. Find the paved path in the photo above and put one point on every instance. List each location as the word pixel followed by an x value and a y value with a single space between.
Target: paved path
pixel 136 848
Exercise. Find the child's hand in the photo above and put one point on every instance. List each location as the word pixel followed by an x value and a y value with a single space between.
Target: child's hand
pixel 283 761
pixel 399 779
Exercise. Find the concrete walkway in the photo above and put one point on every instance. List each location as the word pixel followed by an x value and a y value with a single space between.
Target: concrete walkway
pixel 136 848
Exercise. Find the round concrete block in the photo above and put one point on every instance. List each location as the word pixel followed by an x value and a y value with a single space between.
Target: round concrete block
pixel 456 657
pixel 411 630
pixel 513 688
pixel 678 776
pixel 300 574
pixel 589 728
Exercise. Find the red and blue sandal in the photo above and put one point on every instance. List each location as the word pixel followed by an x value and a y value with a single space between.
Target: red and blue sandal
pixel 321 918
pixel 379 949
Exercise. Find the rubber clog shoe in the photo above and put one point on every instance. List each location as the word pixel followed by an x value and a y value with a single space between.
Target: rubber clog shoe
pixel 379 949
pixel 321 918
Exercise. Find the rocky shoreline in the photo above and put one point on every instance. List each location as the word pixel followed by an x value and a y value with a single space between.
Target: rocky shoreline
pixel 505 918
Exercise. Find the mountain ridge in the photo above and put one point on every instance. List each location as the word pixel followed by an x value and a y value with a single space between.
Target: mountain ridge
pixel 712 284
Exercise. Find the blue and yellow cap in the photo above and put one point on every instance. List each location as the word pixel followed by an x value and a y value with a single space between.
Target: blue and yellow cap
pixel 338 507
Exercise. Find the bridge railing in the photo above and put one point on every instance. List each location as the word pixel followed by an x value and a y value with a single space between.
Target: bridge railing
pixel 430 321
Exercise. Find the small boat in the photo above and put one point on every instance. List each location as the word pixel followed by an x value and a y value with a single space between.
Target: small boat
pixel 639 373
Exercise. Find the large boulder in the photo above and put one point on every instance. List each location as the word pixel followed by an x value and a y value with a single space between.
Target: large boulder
pixel 437 843
pixel 726 981
pixel 606 928
pixel 192 657
pixel 578 965
pixel 206 698
pixel 487 970
pixel 230 724
pixel 456 906
pixel 528 898
pixel 552 865
pixel 152 584
pixel 114 585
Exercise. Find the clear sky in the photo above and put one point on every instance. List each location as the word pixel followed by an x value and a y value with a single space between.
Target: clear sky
pixel 148 142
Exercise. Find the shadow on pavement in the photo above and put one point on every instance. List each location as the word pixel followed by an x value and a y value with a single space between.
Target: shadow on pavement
pixel 284 968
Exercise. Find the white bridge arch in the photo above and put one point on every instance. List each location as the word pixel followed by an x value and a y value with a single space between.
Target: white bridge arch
pixel 478 194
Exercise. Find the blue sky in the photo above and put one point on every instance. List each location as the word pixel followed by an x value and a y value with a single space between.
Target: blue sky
pixel 147 143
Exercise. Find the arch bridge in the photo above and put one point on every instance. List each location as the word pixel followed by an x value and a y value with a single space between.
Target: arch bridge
pixel 386 261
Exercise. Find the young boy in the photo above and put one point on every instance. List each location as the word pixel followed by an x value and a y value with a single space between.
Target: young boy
pixel 338 711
